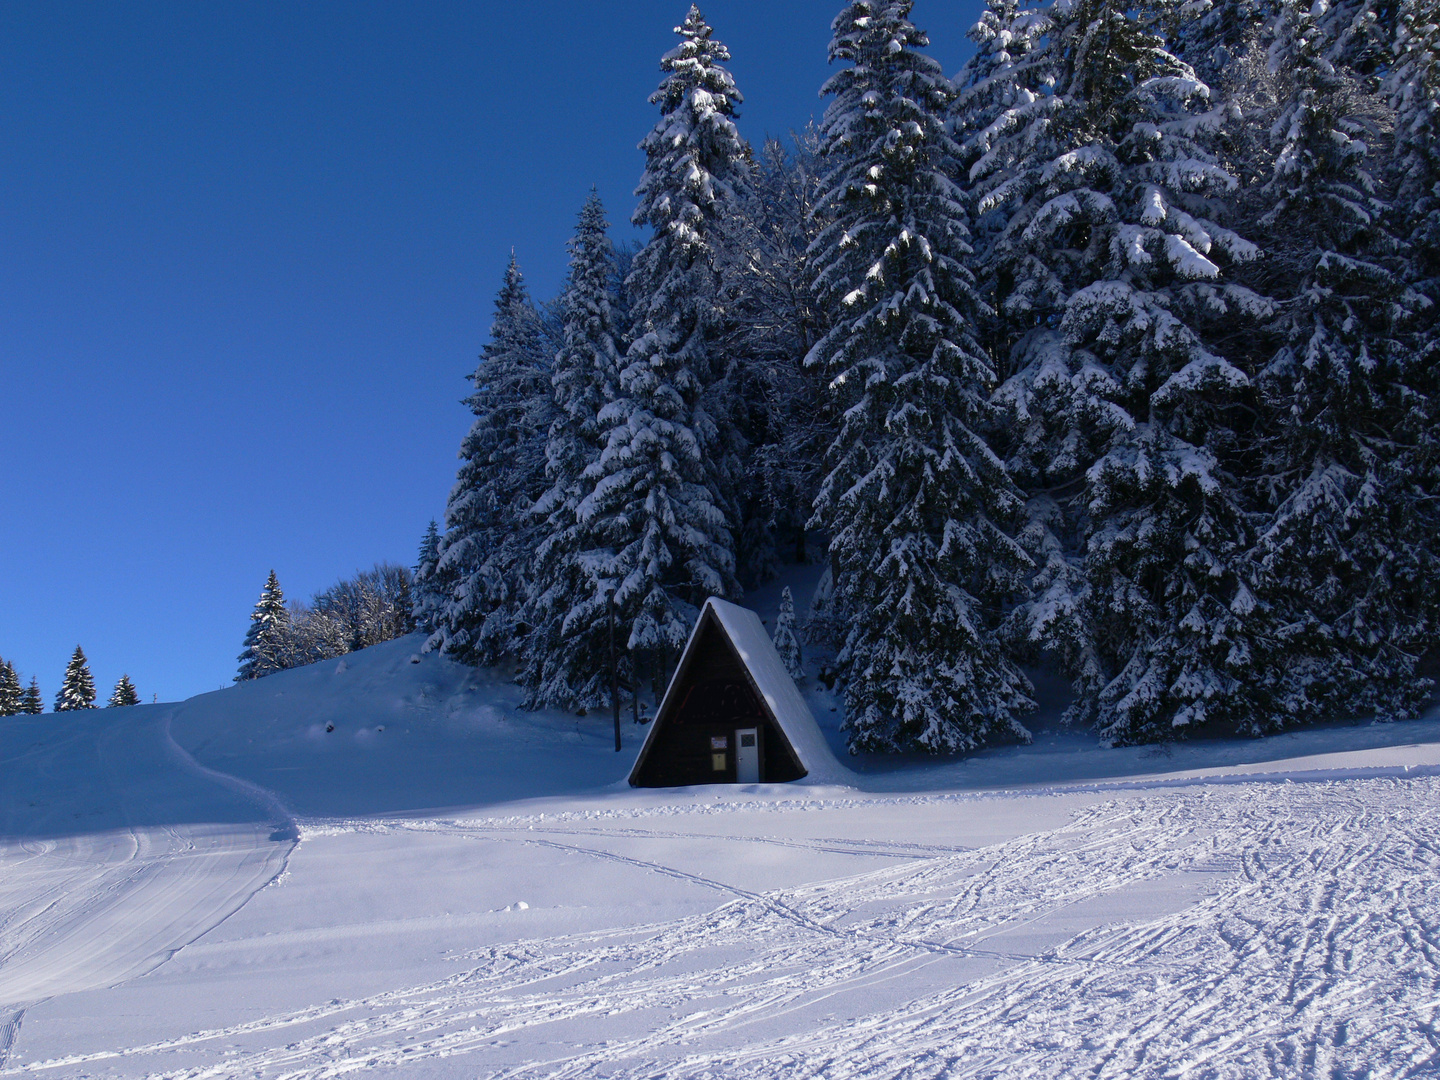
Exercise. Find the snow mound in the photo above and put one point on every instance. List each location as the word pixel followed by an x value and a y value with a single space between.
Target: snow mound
pixel 388 730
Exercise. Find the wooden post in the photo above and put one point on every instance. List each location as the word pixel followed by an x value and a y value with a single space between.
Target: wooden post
pixel 635 690
pixel 614 669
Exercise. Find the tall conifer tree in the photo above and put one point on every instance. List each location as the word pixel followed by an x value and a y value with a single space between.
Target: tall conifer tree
pixel 1415 96
pixel 1106 251
pixel 915 502
pixel 1348 554
pixel 568 657
pixel 489 533
pixel 660 501
pixel 77 690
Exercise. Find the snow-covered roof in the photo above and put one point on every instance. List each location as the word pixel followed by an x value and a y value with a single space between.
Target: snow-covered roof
pixel 752 643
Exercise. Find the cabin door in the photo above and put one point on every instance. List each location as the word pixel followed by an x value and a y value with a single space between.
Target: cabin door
pixel 747 756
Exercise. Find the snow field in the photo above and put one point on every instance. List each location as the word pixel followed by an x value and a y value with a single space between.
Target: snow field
pixel 106 867
pixel 1215 920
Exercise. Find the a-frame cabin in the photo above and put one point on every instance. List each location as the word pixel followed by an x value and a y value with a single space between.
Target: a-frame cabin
pixel 731 714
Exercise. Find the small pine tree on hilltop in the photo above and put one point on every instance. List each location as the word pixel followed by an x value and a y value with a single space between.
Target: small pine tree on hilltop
pixel 265 640
pixel 124 694
pixel 77 690
pixel 428 592
pixel 787 643
pixel 9 689
pixel 31 704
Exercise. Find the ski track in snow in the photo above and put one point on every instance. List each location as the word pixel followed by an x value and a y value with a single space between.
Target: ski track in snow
pixel 1314 950
pixel 87 910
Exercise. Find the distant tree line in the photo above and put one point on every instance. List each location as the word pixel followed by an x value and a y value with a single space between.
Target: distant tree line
pixel 354 613
pixel 77 690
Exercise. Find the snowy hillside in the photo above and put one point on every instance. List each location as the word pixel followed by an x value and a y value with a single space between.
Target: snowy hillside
pixel 380 866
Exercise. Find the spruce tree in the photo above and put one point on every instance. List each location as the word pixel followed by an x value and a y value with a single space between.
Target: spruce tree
pixel 1215 41
pixel 267 642
pixel 429 590
pixel 773 321
pixel 993 95
pixel 660 494
pixel 915 502
pixel 1107 254
pixel 489 533
pixel 1414 88
pixel 567 662
pixel 1415 97
pixel 31 704
pixel 787 643
pixel 1347 555
pixel 77 690
pixel 124 694
pixel 10 692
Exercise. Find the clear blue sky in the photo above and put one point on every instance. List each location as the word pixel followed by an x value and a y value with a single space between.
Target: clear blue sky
pixel 249 254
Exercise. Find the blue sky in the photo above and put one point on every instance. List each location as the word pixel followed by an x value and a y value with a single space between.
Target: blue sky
pixel 250 252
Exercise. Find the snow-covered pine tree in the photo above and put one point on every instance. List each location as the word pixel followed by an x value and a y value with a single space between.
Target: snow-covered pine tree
pixel 77 690
pixel 661 493
pixel 1003 116
pixel 31 703
pixel 489 534
pixel 1104 196
pixel 787 643
pixel 567 657
pixel 124 694
pixel 915 502
pixel 1414 87
pixel 428 590
pixel 1348 554
pixel 10 691
pixel 1215 37
pixel 774 321
pixel 993 85
pixel 267 641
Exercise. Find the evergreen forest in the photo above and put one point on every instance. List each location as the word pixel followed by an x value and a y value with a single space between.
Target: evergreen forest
pixel 1115 353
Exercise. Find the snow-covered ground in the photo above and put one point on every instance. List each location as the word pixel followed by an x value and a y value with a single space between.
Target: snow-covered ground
pixel 446 886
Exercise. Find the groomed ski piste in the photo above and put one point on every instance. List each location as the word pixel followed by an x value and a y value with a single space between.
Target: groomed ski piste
pixel 446 886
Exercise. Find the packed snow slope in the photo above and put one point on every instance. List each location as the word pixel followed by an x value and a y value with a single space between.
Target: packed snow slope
pixel 381 866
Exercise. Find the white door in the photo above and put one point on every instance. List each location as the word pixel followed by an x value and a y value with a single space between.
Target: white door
pixel 747 756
